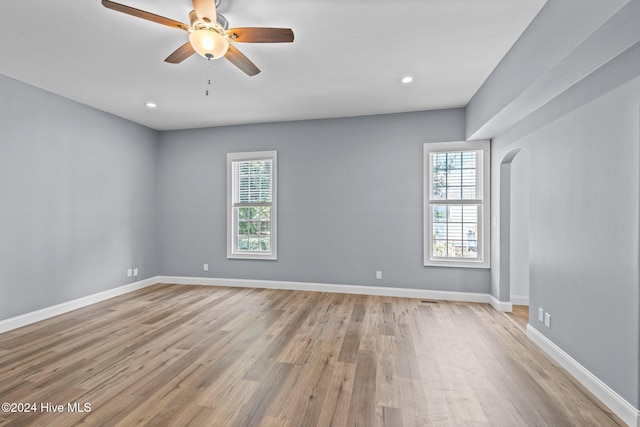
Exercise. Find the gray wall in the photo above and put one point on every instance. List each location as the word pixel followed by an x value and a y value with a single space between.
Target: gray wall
pixel 584 214
pixel 584 224
pixel 519 224
pixel 77 200
pixel 349 201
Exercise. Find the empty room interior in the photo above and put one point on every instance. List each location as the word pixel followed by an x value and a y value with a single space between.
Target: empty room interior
pixel 320 213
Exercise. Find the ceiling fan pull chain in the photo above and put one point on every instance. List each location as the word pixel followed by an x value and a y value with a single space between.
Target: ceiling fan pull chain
pixel 207 78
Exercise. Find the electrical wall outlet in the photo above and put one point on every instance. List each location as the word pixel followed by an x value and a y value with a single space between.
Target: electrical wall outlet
pixel 541 314
pixel 378 275
pixel 135 272
pixel 547 320
pixel 206 267
pixel 129 272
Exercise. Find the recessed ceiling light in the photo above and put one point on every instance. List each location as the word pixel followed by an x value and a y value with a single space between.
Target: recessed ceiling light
pixel 407 79
pixel 151 104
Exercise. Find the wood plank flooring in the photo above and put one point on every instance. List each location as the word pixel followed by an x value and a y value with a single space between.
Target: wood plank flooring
pixel 174 355
pixel 520 315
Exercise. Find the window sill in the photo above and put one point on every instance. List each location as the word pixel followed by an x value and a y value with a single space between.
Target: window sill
pixel 266 257
pixel 458 264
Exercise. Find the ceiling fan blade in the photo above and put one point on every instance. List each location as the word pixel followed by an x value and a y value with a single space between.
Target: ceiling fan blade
pixel 144 15
pixel 180 54
pixel 260 35
pixel 238 59
pixel 206 10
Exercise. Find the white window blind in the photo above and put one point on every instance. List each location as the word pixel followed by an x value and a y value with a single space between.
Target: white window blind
pixel 252 181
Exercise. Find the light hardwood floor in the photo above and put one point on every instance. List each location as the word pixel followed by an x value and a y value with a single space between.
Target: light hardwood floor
pixel 172 355
pixel 520 315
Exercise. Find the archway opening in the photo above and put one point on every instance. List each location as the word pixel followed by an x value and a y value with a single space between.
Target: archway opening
pixel 514 231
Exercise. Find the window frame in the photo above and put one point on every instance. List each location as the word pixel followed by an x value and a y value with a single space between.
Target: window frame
pixel 232 224
pixel 483 221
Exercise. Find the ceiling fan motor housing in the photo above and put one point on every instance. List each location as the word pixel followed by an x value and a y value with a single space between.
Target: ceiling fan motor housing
pixel 222 21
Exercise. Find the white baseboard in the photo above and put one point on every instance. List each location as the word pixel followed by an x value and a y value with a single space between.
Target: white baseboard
pixel 623 409
pixel 45 313
pixel 520 300
pixel 500 305
pixel 342 289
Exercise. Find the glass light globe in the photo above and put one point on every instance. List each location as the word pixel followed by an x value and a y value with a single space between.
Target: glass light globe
pixel 208 43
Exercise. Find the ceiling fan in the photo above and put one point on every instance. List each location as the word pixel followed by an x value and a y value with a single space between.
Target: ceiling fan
pixel 209 35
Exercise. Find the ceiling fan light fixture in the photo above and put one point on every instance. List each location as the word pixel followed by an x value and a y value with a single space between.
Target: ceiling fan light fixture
pixel 208 43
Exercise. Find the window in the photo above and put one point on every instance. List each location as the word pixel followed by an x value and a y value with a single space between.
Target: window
pixel 251 205
pixel 456 204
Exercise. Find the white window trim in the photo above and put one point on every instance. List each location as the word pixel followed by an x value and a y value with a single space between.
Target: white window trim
pixel 232 252
pixel 484 231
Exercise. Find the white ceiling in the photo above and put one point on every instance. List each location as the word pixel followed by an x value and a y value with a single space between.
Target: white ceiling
pixel 347 58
